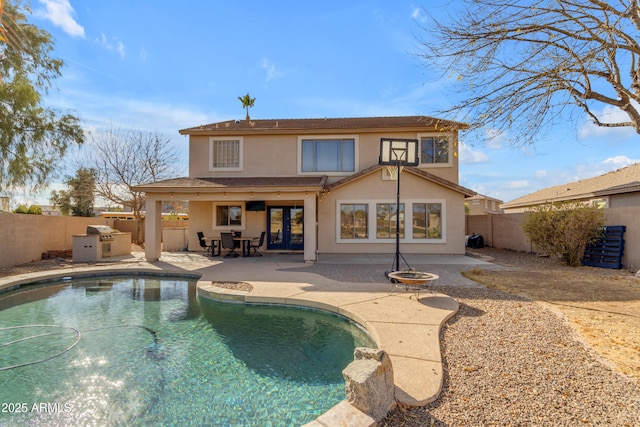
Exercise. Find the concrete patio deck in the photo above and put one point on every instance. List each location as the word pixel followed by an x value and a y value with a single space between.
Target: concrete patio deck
pixel 354 286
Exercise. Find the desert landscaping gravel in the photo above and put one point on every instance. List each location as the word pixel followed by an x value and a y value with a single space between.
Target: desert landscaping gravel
pixel 509 361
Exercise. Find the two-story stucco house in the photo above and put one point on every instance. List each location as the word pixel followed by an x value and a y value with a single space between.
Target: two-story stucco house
pixel 314 185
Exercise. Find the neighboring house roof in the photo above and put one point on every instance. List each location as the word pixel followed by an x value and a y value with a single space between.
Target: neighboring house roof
pixel 322 125
pixel 419 172
pixel 210 183
pixel 619 181
pixel 632 187
pixel 483 197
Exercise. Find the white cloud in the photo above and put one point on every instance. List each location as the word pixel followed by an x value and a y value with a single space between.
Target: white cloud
pixel 60 13
pixel 418 14
pixel 470 156
pixel 618 162
pixel 541 173
pixel 113 45
pixel 607 115
pixel 518 184
pixel 270 68
pixel 495 139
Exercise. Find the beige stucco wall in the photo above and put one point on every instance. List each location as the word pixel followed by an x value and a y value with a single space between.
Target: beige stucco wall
pixel 624 200
pixel 277 155
pixel 373 188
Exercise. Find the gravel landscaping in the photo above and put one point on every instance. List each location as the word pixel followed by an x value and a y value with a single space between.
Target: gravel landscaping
pixel 509 361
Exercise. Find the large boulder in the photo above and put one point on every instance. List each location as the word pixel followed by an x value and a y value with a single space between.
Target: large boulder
pixel 369 382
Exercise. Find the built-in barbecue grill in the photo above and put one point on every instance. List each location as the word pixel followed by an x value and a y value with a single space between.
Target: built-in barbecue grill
pixel 100 242
pixel 104 231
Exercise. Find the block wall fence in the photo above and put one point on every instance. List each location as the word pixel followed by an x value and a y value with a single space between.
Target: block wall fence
pixel 504 231
pixel 24 238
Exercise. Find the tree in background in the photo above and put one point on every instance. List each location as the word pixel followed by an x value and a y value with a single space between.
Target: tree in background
pixel 247 102
pixel 31 210
pixel 122 159
pixel 564 229
pixel 78 200
pixel 521 65
pixel 33 138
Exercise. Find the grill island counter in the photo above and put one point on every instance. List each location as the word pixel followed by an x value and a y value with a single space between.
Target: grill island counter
pixel 101 241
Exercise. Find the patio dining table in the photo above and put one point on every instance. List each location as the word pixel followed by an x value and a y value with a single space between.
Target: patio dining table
pixel 245 243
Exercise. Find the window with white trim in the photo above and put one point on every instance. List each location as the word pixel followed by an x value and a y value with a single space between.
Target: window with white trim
pixel 225 154
pixel 228 216
pixel 427 221
pixel 354 221
pixel 374 221
pixel 328 155
pixel 434 150
pixel 386 220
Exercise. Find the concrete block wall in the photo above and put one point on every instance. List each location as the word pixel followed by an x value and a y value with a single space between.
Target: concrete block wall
pixel 23 238
pixel 504 231
pixel 507 233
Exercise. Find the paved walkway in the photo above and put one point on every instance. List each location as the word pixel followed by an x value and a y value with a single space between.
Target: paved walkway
pixel 405 326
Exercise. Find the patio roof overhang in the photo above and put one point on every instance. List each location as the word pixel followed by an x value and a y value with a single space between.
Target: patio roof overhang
pixel 240 184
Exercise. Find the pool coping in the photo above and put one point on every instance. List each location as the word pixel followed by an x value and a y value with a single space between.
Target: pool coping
pixel 406 328
pixel 415 354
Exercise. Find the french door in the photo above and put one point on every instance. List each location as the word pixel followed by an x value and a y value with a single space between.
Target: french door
pixel 285 228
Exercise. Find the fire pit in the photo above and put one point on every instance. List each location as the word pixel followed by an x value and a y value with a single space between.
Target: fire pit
pixel 412 280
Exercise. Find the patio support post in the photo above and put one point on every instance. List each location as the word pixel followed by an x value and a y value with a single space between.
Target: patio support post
pixel 153 230
pixel 310 225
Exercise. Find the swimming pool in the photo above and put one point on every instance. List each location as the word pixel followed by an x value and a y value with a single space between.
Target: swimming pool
pixel 147 351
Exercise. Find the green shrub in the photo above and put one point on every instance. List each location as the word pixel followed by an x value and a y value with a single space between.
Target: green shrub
pixel 35 210
pixel 21 209
pixel 564 229
pixel 31 210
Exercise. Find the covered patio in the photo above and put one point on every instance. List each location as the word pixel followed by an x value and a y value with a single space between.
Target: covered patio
pixel 283 207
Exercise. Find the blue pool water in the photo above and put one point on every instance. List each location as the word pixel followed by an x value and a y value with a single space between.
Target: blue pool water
pixel 144 351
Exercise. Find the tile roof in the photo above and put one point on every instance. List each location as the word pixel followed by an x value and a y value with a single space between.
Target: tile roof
pixel 483 197
pixel 323 124
pixel 416 171
pixel 619 181
pixel 210 183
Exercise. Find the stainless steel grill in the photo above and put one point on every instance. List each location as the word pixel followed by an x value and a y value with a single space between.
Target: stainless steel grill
pixel 104 231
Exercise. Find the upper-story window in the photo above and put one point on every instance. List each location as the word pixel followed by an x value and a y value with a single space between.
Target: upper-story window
pixel 225 154
pixel 327 155
pixel 434 150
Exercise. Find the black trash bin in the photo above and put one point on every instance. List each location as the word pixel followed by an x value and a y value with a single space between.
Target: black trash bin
pixel 475 241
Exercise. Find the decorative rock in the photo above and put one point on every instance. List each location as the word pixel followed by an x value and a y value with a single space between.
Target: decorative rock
pixel 369 382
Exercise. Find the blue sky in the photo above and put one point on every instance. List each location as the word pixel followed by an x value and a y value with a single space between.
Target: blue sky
pixel 160 65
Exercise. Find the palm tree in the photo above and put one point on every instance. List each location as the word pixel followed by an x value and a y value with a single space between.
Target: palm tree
pixel 247 102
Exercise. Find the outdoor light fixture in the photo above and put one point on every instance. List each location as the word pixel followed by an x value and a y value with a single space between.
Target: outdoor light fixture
pixel 398 153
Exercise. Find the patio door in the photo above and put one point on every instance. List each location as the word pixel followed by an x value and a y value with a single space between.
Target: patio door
pixel 285 228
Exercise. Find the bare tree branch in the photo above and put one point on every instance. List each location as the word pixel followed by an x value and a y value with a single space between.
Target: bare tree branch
pixel 521 66
pixel 123 159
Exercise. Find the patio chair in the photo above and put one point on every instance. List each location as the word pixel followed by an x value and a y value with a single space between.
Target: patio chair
pixel 203 243
pixel 228 244
pixel 257 243
pixel 236 243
